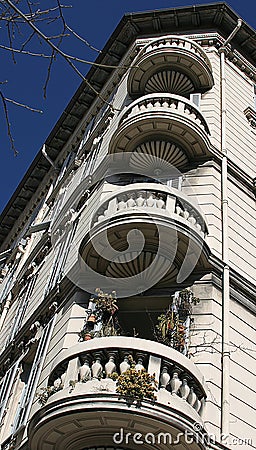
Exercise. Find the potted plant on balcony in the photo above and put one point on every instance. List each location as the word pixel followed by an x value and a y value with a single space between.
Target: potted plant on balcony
pixel 173 324
pixel 102 316
pixel 135 385
pixel 48 391
pixel 85 334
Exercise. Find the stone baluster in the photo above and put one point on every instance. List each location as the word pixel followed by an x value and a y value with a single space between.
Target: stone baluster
pixel 150 200
pixel 150 105
pixel 57 383
pixel 100 217
pixel 197 405
pixel 160 203
pixel 192 219
pixel 184 389
pixel 124 365
pixel 185 214
pixel 121 203
pixel 175 383
pixel 139 200
pixel 198 226
pixel 179 210
pixel 164 378
pixel 110 366
pixel 192 397
pixel 85 371
pixel 139 365
pixel 130 202
pixel 97 368
pixel 143 106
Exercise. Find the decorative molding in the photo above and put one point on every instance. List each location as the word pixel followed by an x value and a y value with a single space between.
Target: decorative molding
pixel 250 115
pixel 171 81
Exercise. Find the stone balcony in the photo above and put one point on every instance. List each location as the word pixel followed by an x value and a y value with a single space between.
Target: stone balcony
pixel 156 60
pixel 87 411
pixel 163 116
pixel 145 232
pixel 155 199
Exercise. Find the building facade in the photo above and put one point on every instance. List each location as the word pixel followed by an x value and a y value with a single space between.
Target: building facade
pixel 145 187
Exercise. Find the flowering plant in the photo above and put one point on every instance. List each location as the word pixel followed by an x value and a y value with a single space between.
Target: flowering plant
pixel 135 385
pixel 173 325
pixel 47 392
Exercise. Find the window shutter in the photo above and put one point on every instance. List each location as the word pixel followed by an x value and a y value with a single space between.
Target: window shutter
pixel 23 303
pixel 6 389
pixel 60 259
pixel 31 385
pixel 175 183
pixel 196 99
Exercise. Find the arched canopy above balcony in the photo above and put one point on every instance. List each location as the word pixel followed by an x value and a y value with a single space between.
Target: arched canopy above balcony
pixel 166 118
pixel 171 64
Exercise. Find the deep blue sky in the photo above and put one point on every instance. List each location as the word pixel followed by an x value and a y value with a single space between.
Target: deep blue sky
pixel 95 20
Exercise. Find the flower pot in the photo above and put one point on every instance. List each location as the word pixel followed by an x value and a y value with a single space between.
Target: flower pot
pixel 91 319
pixel 87 337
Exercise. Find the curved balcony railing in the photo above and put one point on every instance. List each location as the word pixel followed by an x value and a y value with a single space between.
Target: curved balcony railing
pixel 176 53
pixel 91 364
pixel 154 200
pixel 167 102
pixel 171 117
pixel 178 42
pixel 85 410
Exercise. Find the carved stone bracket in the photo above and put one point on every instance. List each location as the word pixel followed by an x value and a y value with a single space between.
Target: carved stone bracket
pixel 250 115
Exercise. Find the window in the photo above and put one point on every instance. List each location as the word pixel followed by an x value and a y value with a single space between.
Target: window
pixel 69 159
pixel 18 386
pixel 22 301
pixel 61 253
pixel 196 99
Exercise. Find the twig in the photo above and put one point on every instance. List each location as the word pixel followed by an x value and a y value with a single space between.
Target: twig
pixel 27 40
pixel 82 39
pixel 48 73
pixel 8 125
pixel 10 41
pixel 67 57
pixel 23 105
pixel 24 52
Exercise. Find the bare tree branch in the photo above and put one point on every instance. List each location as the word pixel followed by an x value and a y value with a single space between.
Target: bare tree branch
pixel 82 39
pixel 23 105
pixel 15 151
pixel 24 52
pixel 19 24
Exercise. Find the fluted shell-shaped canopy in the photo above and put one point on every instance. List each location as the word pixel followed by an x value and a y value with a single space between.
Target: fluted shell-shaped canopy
pixel 158 158
pixel 143 266
pixel 171 81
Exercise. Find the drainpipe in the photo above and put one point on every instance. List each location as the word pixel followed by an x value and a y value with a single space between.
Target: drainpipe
pixel 225 400
pixel 48 157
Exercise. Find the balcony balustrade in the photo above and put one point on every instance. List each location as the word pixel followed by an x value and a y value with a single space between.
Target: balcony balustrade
pixel 86 390
pixel 192 67
pixel 155 201
pixel 169 116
